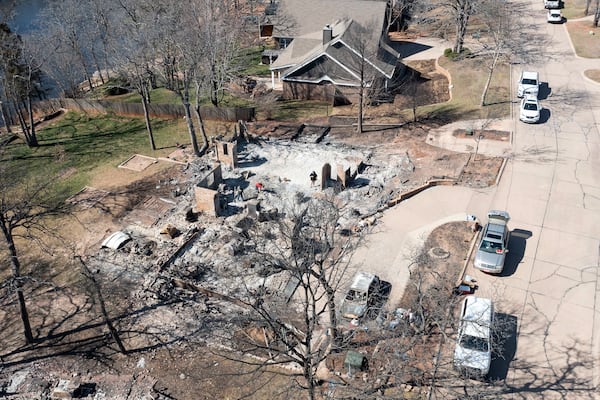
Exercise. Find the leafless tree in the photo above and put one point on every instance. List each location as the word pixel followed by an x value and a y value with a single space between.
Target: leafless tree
pixel 217 22
pixel 66 27
pixel 300 324
pixel 413 92
pixel 134 53
pixel 397 13
pixel 100 31
pixel 363 48
pixel 588 4
pixel 500 36
pixel 96 291
pixel 180 50
pixel 460 11
pixel 26 204
pixel 20 79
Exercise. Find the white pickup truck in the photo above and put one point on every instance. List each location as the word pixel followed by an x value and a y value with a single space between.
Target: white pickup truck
pixel 551 3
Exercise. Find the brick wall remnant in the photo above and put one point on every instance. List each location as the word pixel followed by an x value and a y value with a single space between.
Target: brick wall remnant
pixel 207 200
pixel 325 175
pixel 343 176
pixel 252 208
pixel 212 178
pixel 227 153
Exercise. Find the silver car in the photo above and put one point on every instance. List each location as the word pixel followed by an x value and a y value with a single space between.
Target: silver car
pixel 493 244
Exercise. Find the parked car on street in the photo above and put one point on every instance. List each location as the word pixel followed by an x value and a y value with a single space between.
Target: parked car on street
pixel 361 295
pixel 529 83
pixel 493 245
pixel 554 16
pixel 530 109
pixel 551 3
pixel 473 351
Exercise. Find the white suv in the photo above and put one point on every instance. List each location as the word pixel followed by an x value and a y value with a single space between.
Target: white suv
pixel 473 351
pixel 529 83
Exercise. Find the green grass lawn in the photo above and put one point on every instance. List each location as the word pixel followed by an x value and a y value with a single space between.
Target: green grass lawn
pixel 77 145
pixel 250 60
pixel 165 96
pixel 287 110
pixel 158 96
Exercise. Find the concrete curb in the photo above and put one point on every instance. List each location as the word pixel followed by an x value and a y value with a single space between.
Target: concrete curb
pixel 468 258
pixel 501 171
pixel 417 190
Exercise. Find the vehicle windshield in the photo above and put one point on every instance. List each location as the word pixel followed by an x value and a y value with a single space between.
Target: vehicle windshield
pixel 353 295
pixel 490 247
pixel 526 81
pixel 474 343
pixel 530 106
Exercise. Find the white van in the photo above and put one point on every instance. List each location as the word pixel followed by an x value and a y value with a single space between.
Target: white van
pixel 473 351
pixel 551 3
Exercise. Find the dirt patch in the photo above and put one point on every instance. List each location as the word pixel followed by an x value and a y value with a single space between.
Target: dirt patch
pixel 481 171
pixel 138 162
pixel 585 38
pixel 593 74
pixel 425 85
pixel 453 240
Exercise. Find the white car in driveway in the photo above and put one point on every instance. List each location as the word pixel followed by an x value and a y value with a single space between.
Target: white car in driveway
pixel 473 351
pixel 530 109
pixel 554 16
pixel 529 83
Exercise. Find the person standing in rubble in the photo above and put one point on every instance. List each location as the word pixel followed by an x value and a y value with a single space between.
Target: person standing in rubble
pixel 259 187
pixel 313 178
pixel 238 194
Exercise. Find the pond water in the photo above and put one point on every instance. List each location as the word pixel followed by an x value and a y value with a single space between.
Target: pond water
pixel 26 11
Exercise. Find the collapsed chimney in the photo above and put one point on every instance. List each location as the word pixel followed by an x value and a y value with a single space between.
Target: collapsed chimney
pixel 327 34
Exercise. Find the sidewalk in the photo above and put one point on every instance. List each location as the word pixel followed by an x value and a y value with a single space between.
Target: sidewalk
pixel 443 137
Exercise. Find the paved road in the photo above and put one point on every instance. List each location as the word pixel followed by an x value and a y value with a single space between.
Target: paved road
pixel 549 295
pixel 551 188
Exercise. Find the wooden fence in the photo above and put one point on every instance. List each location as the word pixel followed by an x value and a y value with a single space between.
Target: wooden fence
pixel 231 114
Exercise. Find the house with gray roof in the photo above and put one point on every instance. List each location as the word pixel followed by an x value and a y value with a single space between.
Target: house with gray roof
pixel 336 48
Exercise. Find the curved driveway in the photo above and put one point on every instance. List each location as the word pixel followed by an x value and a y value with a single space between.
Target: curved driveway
pixel 551 188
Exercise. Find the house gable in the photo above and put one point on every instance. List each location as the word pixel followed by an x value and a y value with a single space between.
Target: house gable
pixel 322 68
pixel 350 54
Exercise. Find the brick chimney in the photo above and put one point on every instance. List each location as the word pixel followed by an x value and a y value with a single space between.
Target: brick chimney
pixel 327 34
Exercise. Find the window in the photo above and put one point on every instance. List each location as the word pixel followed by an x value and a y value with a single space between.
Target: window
pixel 474 343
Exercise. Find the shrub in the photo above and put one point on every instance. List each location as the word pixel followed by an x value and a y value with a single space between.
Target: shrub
pixel 451 55
pixel 115 86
